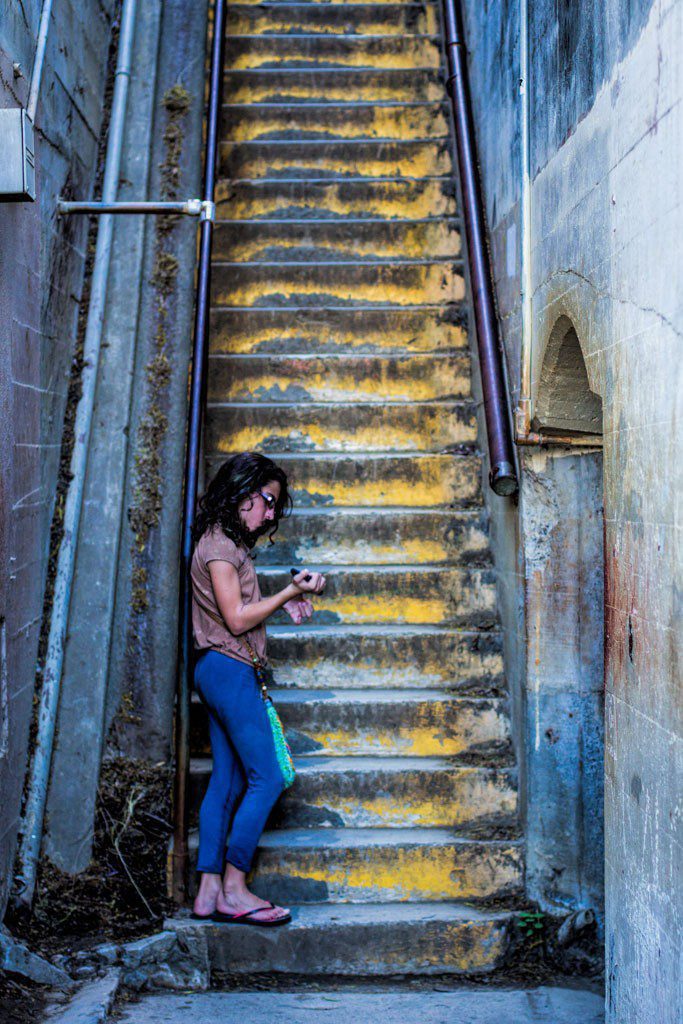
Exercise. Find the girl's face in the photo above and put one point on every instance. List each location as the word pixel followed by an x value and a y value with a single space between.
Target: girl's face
pixel 257 510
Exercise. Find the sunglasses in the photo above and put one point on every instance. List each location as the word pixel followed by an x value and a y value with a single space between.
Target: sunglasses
pixel 269 499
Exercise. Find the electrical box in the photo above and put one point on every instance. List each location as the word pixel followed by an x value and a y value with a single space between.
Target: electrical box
pixel 17 157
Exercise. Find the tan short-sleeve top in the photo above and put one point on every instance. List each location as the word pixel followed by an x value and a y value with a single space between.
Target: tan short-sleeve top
pixel 214 546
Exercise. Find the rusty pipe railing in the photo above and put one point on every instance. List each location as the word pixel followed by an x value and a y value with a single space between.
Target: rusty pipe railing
pixel 502 475
pixel 193 450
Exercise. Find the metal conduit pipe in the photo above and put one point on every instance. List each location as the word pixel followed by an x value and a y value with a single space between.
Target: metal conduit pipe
pixel 193 451
pixel 32 823
pixel 39 59
pixel 502 475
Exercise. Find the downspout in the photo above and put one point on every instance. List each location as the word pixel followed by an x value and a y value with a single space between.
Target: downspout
pixel 197 391
pixel 523 411
pixel 32 823
pixel 39 60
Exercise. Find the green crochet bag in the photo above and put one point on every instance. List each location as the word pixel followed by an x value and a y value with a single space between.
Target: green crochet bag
pixel 282 751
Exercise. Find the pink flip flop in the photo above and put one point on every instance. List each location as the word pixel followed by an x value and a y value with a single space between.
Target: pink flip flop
pixel 246 917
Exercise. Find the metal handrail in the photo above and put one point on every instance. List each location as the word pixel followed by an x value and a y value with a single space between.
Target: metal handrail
pixel 502 475
pixel 193 449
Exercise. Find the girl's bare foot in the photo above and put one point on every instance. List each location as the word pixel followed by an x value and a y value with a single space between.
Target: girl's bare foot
pixel 207 897
pixel 237 901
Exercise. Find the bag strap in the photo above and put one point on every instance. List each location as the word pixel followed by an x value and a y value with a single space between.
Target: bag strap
pixel 259 667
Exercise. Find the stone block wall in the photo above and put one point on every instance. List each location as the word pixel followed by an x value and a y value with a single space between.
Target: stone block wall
pixel 606 131
pixel 41 278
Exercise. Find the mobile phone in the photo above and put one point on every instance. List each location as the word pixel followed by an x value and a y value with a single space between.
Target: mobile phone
pixel 295 572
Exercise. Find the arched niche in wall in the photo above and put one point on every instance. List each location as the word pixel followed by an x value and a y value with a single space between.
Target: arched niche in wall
pixel 562 527
pixel 565 402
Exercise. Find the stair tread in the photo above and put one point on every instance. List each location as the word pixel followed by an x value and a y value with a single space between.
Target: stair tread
pixel 380 570
pixel 378 629
pixel 312 264
pixel 346 222
pixel 309 764
pixel 431 403
pixel 431 307
pixel 337 695
pixel 362 838
pixel 306 5
pixel 308 915
pixel 388 511
pixel 347 37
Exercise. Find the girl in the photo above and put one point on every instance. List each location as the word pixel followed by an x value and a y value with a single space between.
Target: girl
pixel 246 499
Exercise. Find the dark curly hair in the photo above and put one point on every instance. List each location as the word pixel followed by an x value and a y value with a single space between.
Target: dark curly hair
pixel 237 478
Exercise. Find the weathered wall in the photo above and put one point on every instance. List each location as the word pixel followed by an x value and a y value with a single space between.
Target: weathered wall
pixel 41 275
pixel 606 140
pixel 120 658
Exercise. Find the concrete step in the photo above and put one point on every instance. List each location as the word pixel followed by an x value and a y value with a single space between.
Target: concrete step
pixel 322 284
pixel 376 940
pixel 337 330
pixel 325 240
pixel 344 378
pixel 386 657
pixel 355 51
pixel 381 865
pixel 337 536
pixel 383 723
pixel 250 121
pixel 341 198
pixel 419 594
pixel 378 481
pixel 367 792
pixel 321 85
pixel 402 19
pixel 396 426
pixel 320 159
pixel 314 3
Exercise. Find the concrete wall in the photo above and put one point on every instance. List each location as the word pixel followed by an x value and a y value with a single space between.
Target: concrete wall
pixel 41 275
pixel 606 119
pixel 120 662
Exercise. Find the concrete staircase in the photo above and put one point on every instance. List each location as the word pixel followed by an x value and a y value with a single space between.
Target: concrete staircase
pixel 338 348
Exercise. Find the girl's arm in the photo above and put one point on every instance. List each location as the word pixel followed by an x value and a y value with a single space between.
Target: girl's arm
pixel 240 617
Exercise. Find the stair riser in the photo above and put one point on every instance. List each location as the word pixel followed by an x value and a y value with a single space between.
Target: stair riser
pixel 391 538
pixel 333 51
pixel 329 285
pixel 442 596
pixel 318 331
pixel 339 428
pixel 335 199
pixel 386 874
pixel 399 19
pixel 338 378
pixel 380 481
pixel 340 86
pixel 468 663
pixel 477 731
pixel 321 242
pixel 305 121
pixel 458 798
pixel 307 160
pixel 374 949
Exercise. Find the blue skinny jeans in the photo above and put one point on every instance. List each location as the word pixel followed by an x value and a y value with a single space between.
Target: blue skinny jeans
pixel 246 779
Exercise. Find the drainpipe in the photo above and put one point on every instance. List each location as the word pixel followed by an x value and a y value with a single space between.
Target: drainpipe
pixel 200 347
pixel 523 411
pixel 32 823
pixel 39 59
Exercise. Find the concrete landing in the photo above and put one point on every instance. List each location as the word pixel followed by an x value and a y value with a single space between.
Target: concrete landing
pixel 467 1006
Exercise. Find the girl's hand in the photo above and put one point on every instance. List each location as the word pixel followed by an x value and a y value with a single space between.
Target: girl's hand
pixel 315 584
pixel 299 609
